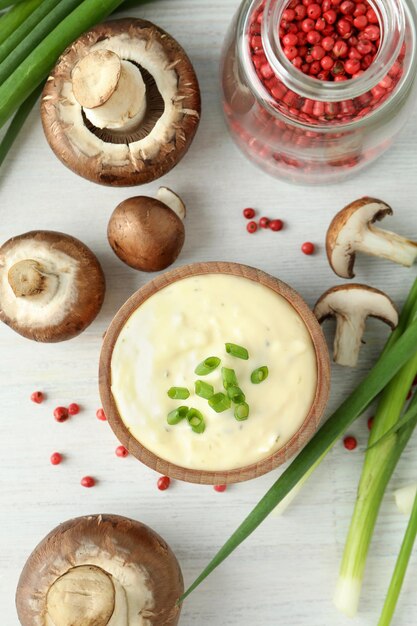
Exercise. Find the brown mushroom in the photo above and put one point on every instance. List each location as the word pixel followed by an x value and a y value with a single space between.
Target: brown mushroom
pixel 352 230
pixel 148 233
pixel 51 285
pixel 100 570
pixel 122 105
pixel 351 305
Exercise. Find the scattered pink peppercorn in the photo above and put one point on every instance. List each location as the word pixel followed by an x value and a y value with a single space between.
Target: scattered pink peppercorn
pixel 220 488
pixel 276 225
pixel 252 227
pixel 249 213
pixel 87 481
pixel 350 443
pixel 56 458
pixel 264 222
pixel 73 408
pixel 100 414
pixel 308 248
pixel 61 414
pixel 370 423
pixel 37 397
pixel 121 452
pixel 163 483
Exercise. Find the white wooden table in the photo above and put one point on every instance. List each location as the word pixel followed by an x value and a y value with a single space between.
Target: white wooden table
pixel 286 572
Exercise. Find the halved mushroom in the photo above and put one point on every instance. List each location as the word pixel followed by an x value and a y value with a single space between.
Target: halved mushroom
pixel 100 570
pixel 148 233
pixel 352 230
pixel 51 285
pixel 122 105
pixel 351 305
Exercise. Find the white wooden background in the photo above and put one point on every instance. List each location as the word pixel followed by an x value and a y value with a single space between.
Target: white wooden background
pixel 286 572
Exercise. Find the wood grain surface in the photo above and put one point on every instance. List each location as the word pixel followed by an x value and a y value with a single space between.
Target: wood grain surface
pixel 285 573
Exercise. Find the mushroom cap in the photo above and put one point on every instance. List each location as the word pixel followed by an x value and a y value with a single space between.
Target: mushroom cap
pixel 163 138
pixel 84 286
pixel 346 227
pixel 353 298
pixel 145 233
pixel 131 554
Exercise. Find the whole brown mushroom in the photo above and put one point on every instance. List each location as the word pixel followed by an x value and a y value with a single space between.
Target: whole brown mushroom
pixel 100 570
pixel 51 285
pixel 122 105
pixel 148 233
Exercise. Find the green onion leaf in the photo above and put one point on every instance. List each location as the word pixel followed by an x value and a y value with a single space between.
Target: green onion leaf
pixel 400 569
pixel 178 393
pixel 409 416
pixel 219 402
pixel 242 412
pixel 207 366
pixel 236 395
pixel 175 416
pixel 259 375
pixel 238 351
pixel 229 377
pixel 196 421
pixel 204 390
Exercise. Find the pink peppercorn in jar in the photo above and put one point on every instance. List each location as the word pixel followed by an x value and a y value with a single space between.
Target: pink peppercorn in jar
pixel 315 90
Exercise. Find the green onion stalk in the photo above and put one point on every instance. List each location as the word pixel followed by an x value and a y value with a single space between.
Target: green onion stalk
pixel 5 4
pixel 379 465
pixel 400 569
pixel 16 16
pixel 393 358
pixel 17 123
pixel 31 32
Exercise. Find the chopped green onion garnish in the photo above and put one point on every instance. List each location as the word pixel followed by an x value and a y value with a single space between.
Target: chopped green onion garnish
pixel 219 402
pixel 196 421
pixel 207 366
pixel 238 351
pixel 259 375
pixel 199 429
pixel 204 390
pixel 229 377
pixel 236 395
pixel 178 393
pixel 242 412
pixel 175 416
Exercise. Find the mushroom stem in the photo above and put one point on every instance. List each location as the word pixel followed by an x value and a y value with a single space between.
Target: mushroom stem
pixel 388 245
pixel 111 91
pixel 347 339
pixel 83 595
pixel 26 278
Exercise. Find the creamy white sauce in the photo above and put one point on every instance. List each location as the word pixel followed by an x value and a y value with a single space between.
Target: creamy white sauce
pixel 177 328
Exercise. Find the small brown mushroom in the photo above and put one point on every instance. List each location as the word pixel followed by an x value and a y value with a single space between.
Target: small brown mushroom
pixel 122 105
pixel 100 570
pixel 352 230
pixel 51 285
pixel 148 233
pixel 351 305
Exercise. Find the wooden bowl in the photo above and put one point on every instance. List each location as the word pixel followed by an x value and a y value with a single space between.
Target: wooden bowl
pixel 297 441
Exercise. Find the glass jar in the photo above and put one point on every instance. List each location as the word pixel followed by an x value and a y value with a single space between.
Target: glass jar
pixel 306 130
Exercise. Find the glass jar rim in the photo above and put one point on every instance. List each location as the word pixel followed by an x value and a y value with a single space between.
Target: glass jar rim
pixel 339 89
pixel 391 15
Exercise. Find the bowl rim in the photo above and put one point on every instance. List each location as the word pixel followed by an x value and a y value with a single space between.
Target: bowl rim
pixel 217 477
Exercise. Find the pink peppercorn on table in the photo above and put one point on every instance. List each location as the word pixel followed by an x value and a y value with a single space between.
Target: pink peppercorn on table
pixel 286 572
